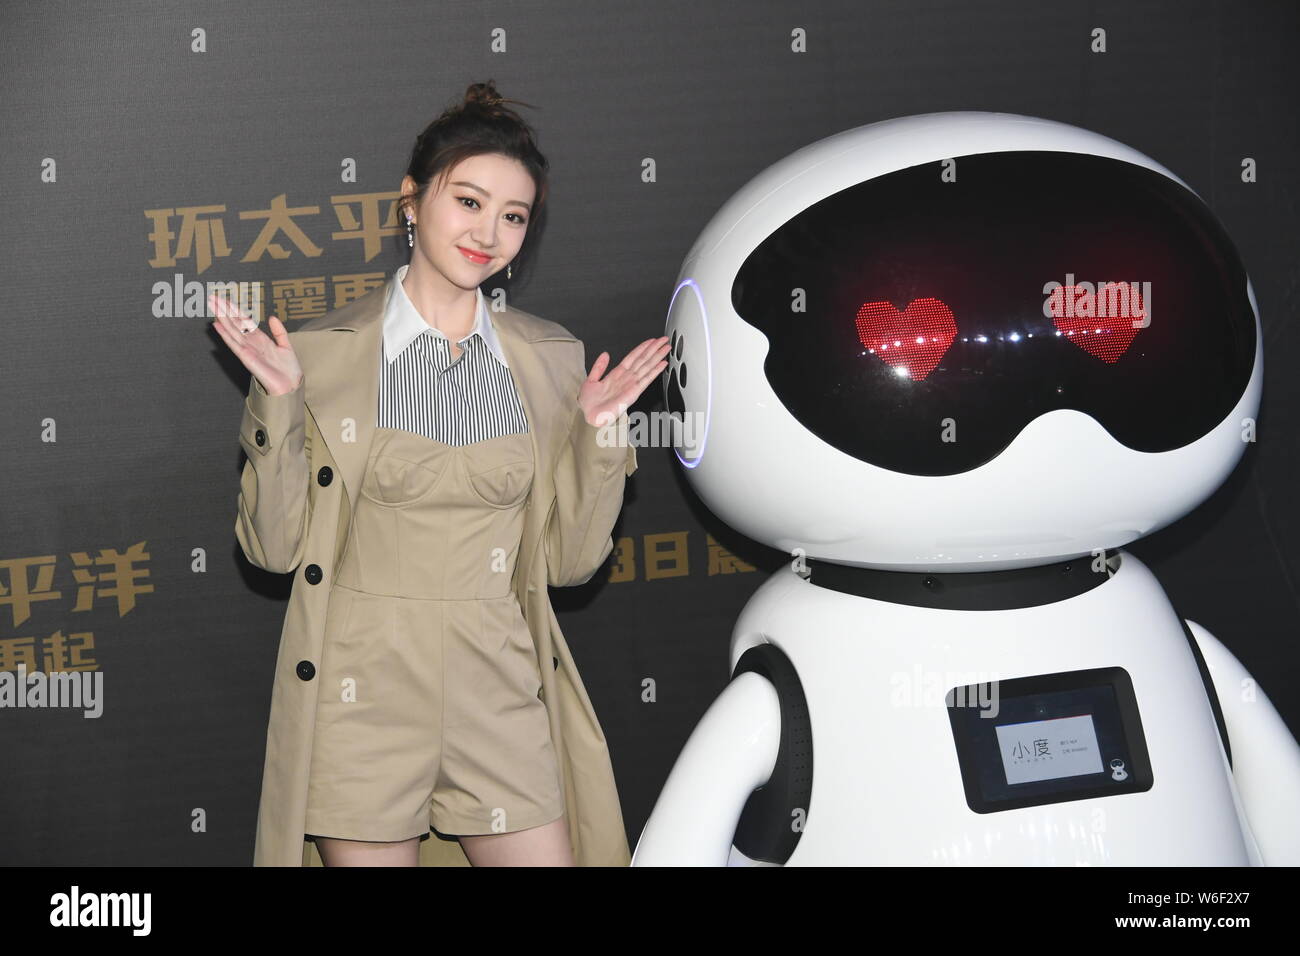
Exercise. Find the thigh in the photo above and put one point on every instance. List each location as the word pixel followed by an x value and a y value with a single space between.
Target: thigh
pixel 365 853
pixel 547 845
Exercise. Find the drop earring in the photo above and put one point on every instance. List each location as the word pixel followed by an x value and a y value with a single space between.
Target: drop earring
pixel 508 275
pixel 410 233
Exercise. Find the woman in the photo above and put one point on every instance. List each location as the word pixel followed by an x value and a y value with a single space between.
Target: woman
pixel 430 707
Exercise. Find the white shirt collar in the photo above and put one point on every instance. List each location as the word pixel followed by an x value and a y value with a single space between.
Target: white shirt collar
pixel 403 324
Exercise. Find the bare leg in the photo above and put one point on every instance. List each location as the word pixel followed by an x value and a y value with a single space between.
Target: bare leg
pixel 363 853
pixel 546 845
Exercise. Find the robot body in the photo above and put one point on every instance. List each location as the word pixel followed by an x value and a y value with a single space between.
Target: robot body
pixel 888 782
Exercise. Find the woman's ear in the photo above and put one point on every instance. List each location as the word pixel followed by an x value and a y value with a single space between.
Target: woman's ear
pixel 406 203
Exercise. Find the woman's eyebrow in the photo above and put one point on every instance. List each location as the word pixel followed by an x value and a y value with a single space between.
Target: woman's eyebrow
pixel 513 202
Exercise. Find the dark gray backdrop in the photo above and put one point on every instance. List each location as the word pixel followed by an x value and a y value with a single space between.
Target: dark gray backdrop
pixel 147 409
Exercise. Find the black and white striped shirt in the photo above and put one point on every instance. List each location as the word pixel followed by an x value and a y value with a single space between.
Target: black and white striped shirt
pixel 422 390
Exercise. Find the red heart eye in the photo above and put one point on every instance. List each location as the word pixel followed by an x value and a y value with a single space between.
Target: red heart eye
pixel 1100 322
pixel 912 341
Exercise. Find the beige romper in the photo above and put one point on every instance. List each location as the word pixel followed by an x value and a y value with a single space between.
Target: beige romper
pixel 429 711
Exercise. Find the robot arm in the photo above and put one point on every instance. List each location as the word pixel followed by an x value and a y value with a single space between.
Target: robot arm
pixel 1265 757
pixel 730 754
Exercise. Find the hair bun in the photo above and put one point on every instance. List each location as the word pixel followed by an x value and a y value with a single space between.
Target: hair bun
pixel 484 95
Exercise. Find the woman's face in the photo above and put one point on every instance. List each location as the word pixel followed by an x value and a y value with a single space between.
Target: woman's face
pixel 483 205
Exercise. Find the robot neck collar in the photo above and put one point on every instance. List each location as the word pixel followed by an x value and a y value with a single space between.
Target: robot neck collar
pixel 969 590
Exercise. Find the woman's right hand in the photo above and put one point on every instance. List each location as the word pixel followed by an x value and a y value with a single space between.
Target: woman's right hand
pixel 272 361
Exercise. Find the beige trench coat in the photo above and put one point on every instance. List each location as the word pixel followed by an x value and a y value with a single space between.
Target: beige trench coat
pixel 307 452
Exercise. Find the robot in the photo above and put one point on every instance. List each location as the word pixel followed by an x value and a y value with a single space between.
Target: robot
pixel 961 359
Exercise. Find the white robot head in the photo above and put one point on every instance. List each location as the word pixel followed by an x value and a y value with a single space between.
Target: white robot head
pixel 961 341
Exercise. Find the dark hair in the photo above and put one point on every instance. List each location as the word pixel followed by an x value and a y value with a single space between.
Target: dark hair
pixel 479 124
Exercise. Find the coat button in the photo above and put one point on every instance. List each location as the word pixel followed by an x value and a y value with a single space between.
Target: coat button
pixel 324 476
pixel 306 670
pixel 313 574
pixel 260 437
pixel 556 662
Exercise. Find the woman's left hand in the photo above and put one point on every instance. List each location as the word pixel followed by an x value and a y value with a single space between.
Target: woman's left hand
pixel 602 400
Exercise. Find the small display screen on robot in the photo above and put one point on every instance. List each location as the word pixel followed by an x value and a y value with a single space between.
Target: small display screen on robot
pixel 1049 738
pixel 1049 749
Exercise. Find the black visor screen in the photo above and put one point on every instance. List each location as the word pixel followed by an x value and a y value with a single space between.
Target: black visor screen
pixel 913 323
